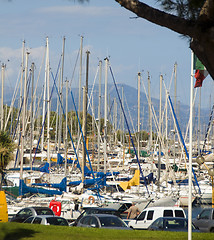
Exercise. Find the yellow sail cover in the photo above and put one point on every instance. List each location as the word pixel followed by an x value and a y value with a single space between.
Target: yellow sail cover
pixel 135 181
pixel 3 207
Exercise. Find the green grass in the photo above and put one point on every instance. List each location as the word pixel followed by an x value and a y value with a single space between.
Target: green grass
pixel 19 231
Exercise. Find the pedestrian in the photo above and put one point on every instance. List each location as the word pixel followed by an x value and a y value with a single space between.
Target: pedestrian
pixel 133 211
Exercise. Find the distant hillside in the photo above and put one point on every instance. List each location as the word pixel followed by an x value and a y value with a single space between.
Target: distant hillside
pixel 130 106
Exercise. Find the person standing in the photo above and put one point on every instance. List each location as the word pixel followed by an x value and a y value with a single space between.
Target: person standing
pixel 133 211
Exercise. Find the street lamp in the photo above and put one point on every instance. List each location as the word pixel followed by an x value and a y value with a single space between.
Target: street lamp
pixel 211 173
pixel 200 160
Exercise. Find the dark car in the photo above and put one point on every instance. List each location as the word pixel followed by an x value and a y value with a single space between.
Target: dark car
pixel 95 210
pixel 25 213
pixel 171 224
pixel 102 221
pixel 47 220
pixel 205 220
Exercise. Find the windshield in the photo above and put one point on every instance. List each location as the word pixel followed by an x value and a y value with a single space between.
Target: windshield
pixel 111 222
pixel 57 221
pixel 44 211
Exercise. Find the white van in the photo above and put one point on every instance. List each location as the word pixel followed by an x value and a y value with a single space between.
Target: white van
pixel 149 215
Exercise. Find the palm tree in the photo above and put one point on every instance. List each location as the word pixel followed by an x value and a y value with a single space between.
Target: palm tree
pixel 6 153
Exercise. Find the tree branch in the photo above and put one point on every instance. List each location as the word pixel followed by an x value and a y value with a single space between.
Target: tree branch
pixel 177 24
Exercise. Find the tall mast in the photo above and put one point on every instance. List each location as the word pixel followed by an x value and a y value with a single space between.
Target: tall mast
pixel 2 94
pixel 84 114
pixel 80 83
pixel 21 80
pixel 150 115
pixel 31 114
pixel 47 72
pixel 23 118
pixel 99 114
pixel 138 116
pixel 20 100
pixel 122 119
pixel 115 121
pixel 57 121
pixel 44 99
pixel 175 101
pixel 175 83
pixel 93 126
pixel 84 129
pixel 85 106
pixel 61 97
pixel 66 128
pixel 159 135
pixel 166 120
pixel 105 113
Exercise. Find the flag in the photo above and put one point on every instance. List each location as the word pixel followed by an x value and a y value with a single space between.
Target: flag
pixel 200 72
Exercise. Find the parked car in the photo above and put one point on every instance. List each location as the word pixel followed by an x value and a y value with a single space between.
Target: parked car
pixel 47 220
pixel 102 221
pixel 171 224
pixel 25 213
pixel 149 215
pixel 205 220
pixel 95 210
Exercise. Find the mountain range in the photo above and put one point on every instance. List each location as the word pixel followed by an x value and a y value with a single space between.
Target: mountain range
pixel 130 103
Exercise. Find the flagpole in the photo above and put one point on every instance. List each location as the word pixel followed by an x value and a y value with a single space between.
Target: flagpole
pixel 190 156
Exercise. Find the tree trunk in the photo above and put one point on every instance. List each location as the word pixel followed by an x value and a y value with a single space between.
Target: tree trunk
pixel 199 32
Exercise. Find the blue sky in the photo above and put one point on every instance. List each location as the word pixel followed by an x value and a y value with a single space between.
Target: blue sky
pixel 109 30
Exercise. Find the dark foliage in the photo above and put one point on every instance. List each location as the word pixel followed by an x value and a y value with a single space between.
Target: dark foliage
pixel 188 9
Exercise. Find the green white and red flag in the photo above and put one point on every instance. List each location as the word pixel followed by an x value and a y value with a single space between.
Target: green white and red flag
pixel 200 72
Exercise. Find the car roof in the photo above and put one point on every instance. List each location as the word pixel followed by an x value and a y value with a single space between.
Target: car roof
pixel 173 218
pixel 100 208
pixel 47 216
pixel 37 207
pixel 102 215
pixel 164 208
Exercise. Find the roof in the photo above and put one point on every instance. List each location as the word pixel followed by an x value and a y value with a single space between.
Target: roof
pixel 36 207
pixel 174 218
pixel 102 209
pixel 164 208
pixel 102 215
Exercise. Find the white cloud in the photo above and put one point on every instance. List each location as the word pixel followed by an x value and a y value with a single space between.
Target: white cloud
pixel 13 58
pixel 7 53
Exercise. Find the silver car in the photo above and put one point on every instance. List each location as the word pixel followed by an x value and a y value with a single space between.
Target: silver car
pixel 47 220
pixel 102 221
pixel 27 212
